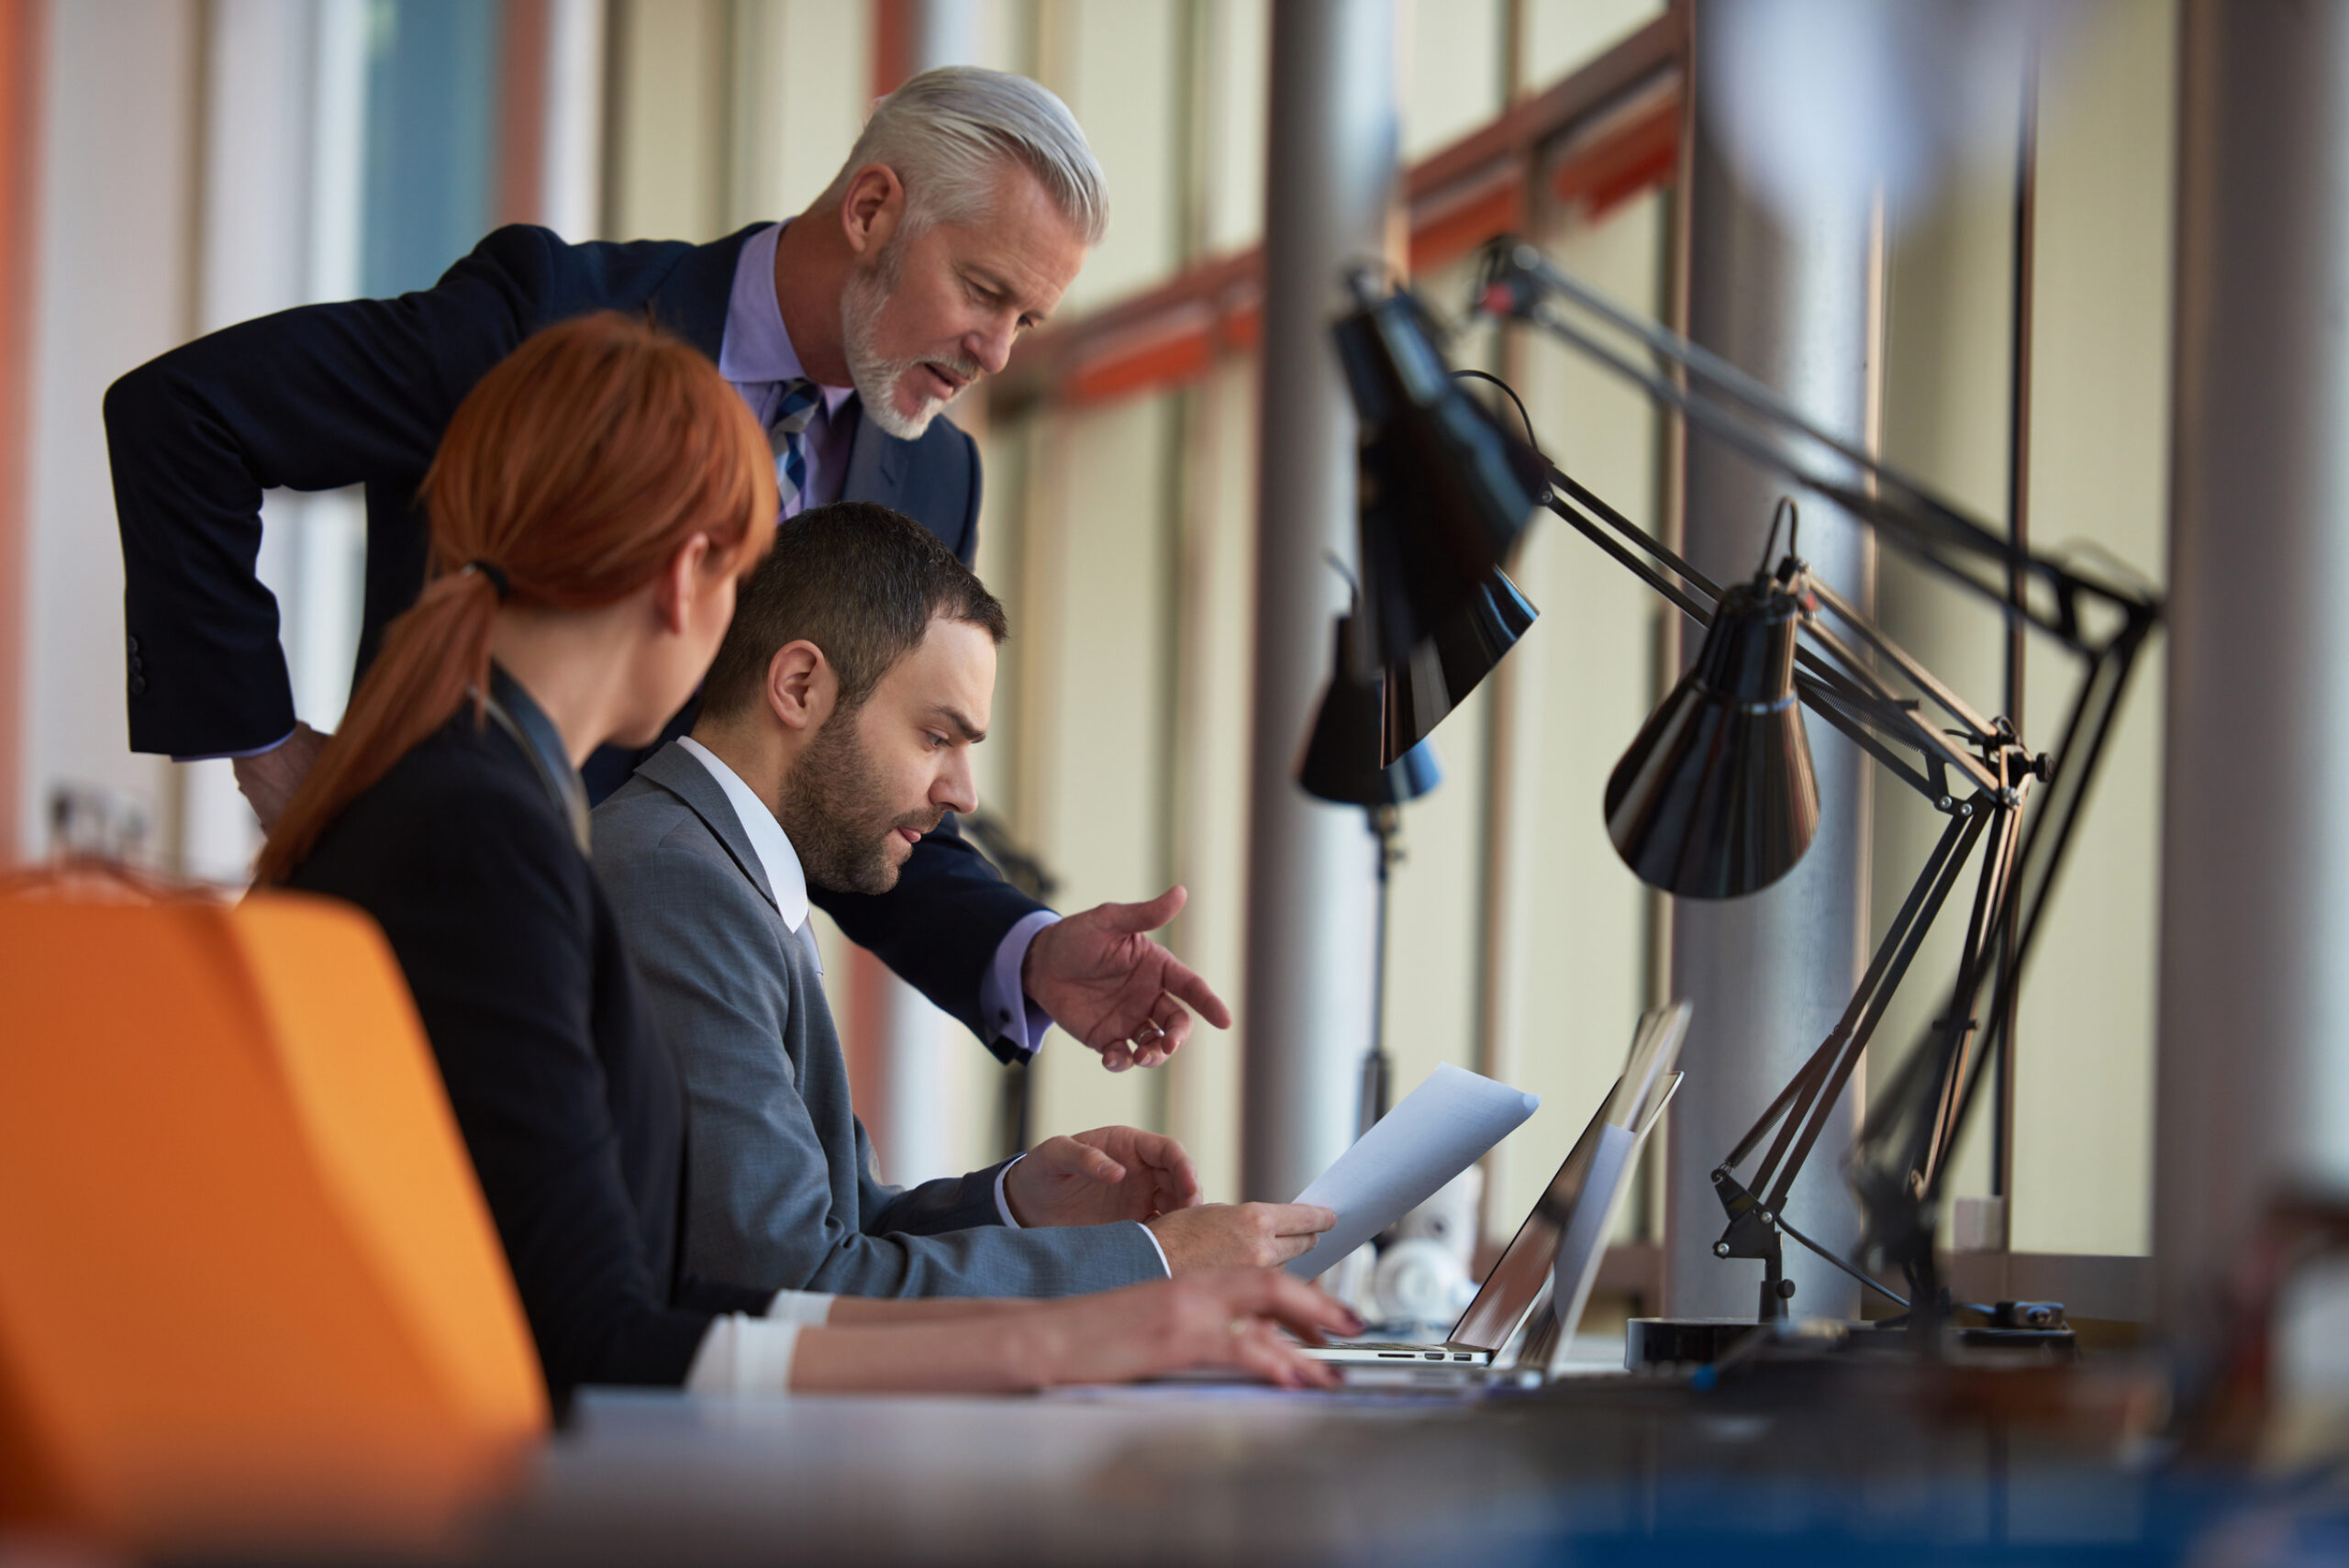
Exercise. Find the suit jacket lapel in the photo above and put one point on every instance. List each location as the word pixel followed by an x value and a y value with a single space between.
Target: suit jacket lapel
pixel 679 773
pixel 877 463
pixel 692 301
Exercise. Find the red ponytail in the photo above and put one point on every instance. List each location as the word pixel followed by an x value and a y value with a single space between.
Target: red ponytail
pixel 574 472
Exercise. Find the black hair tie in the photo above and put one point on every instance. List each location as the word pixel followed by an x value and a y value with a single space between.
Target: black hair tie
pixel 496 576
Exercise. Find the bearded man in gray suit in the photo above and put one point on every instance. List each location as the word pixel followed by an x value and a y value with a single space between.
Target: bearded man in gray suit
pixel 835 727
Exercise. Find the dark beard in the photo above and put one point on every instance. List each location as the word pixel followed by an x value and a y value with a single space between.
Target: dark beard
pixel 830 812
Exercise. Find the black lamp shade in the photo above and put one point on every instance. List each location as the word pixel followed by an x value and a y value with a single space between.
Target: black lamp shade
pixel 1446 490
pixel 1341 758
pixel 1444 668
pixel 1716 797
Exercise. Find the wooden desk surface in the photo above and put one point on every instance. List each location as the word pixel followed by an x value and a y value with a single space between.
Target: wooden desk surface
pixel 1171 1473
pixel 1829 1467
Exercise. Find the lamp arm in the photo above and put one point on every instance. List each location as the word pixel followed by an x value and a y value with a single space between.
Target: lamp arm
pixel 1521 284
pixel 1821 1078
pixel 1903 724
pixel 1835 707
pixel 1887 969
pixel 1700 610
pixel 1887 1161
pixel 1984 931
pixel 1978 728
pixel 1529 263
pixel 2045 844
pixel 1835 683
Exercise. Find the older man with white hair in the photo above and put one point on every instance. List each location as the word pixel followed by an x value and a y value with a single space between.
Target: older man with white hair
pixel 960 218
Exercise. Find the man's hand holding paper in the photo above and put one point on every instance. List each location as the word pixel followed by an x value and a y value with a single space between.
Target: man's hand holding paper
pixel 1439 1130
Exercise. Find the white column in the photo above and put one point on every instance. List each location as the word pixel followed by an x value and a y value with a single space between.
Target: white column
pixel 2254 1074
pixel 116 201
pixel 1786 291
pixel 283 160
pixel 910 1127
pixel 255 234
pixel 571 175
pixel 1329 187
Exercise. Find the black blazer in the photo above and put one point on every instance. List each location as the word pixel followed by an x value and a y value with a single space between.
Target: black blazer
pixel 567 1098
pixel 333 394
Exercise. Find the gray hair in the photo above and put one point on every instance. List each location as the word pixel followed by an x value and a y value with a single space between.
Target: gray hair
pixel 947 132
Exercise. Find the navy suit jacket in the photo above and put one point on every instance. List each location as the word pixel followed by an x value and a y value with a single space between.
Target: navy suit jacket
pixel 328 395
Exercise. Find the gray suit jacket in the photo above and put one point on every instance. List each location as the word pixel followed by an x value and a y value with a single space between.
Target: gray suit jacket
pixel 781 1194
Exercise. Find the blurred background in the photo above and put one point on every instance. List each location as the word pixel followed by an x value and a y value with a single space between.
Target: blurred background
pixel 171 166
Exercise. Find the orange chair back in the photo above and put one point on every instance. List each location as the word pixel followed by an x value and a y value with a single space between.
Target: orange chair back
pixel 249 1288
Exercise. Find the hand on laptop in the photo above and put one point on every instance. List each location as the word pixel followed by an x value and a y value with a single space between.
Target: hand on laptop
pixel 1102 980
pixel 1100 1177
pixel 1229 1235
pixel 1228 1318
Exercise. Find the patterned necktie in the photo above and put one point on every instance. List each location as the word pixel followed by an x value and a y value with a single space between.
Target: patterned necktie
pixel 787 434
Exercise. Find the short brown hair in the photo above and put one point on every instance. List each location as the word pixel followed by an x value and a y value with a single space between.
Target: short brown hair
pixel 859 580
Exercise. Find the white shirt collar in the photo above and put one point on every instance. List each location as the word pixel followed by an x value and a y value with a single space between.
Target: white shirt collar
pixel 786 880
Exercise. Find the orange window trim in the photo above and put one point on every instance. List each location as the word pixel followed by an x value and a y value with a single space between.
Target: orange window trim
pixel 23 31
pixel 1608 133
pixel 522 113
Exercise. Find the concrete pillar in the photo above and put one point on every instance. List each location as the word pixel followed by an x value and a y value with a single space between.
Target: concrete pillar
pixel 905 1094
pixel 1330 185
pixel 1788 293
pixel 2254 1074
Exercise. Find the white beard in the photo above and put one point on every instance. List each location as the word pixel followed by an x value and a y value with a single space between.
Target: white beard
pixel 875 377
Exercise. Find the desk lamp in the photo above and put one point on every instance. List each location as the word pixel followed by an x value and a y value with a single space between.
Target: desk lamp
pixel 1339 765
pixel 1446 492
pixel 1715 797
pixel 1423 686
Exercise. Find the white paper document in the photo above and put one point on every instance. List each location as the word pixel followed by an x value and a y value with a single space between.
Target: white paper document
pixel 1440 1129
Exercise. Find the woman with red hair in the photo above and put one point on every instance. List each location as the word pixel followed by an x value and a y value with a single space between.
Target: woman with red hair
pixel 594 501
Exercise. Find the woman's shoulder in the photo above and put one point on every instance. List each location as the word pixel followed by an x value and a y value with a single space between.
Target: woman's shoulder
pixel 465 792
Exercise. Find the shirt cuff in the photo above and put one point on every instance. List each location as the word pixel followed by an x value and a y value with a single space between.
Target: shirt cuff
pixel 1002 1002
pixel 744 1355
pixel 1003 1207
pixel 1159 1249
pixel 257 751
pixel 808 1309
pixel 1002 1204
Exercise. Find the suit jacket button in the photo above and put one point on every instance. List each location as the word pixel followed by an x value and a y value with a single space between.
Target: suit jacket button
pixel 134 647
pixel 137 686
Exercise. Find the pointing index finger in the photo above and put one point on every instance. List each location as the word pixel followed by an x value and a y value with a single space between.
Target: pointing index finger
pixel 1185 985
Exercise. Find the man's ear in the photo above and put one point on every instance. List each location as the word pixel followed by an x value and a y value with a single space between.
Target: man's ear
pixel 802 687
pixel 872 208
pixel 685 576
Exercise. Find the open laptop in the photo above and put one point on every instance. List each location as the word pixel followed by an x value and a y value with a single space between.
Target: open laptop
pixel 1522 1278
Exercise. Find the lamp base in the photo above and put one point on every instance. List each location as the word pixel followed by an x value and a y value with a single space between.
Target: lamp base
pixel 1656 1344
pixel 1653 1343
pixel 1650 1342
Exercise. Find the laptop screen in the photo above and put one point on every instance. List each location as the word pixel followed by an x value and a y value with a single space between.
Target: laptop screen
pixel 1516 1282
